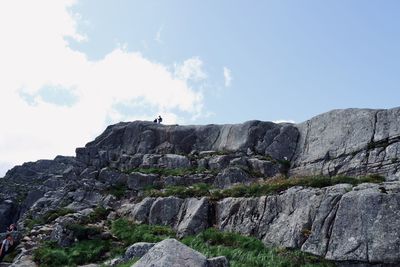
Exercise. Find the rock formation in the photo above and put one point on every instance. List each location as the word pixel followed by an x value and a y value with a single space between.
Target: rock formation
pixel 343 223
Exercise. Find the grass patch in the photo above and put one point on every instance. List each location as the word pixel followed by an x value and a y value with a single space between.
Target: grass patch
pixel 9 257
pixel 30 223
pixel 99 213
pixel 118 190
pixel 268 187
pixel 196 190
pixel 54 214
pixel 130 233
pixel 83 252
pixel 128 263
pixel 46 218
pixel 82 232
pixel 169 171
pixel 240 250
pixel 243 251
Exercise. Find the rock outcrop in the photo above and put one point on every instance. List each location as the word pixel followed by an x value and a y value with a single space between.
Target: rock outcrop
pixel 350 142
pixel 341 223
pixel 171 252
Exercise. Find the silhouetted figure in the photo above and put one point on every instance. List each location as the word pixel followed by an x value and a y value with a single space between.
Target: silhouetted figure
pixel 159 119
pixel 155 120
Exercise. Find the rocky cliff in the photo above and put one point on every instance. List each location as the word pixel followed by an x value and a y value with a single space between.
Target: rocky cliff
pixel 343 222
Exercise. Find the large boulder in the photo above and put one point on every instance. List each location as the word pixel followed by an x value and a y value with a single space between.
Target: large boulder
pixel 172 253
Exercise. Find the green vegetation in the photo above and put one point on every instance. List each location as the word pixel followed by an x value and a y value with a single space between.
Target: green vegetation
pixel 268 187
pixel 130 233
pixel 54 214
pixel 119 190
pixel 240 250
pixel 83 232
pixel 196 190
pixel 9 257
pixel 243 251
pixel 169 171
pixel 98 214
pixel 128 263
pixel 30 223
pixel 83 252
pixel 46 218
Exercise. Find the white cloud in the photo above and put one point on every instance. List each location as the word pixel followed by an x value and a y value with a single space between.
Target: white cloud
pixel 284 121
pixel 227 77
pixel 34 55
pixel 190 70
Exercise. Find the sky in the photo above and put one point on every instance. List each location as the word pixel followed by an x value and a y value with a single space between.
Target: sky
pixel 69 68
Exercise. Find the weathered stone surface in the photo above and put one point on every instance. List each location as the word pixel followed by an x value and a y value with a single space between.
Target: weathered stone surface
pixel 127 139
pixel 137 250
pixel 264 167
pixel 321 230
pixel 193 217
pixel 350 141
pixel 277 220
pixel 231 176
pixel 338 222
pixel 141 211
pixel 139 181
pixel 172 253
pixel 164 210
pixel 367 227
pixel 186 216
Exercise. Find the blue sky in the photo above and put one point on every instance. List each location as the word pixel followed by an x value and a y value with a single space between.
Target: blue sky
pixel 70 67
pixel 289 59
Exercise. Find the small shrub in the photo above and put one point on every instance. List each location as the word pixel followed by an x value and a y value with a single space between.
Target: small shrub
pixel 54 214
pixel 83 252
pixel 87 251
pixel 49 255
pixel 30 223
pixel 196 190
pixel 130 233
pixel 82 232
pixel 118 190
pixel 98 214
pixel 169 171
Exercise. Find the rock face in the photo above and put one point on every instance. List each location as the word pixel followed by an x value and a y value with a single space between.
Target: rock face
pixel 187 216
pixel 333 222
pixel 341 223
pixel 351 141
pixel 125 145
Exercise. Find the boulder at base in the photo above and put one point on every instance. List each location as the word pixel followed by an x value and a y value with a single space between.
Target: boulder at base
pixel 172 253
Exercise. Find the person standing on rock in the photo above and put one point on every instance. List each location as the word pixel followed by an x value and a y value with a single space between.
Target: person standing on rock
pixel 159 119
pixel 6 246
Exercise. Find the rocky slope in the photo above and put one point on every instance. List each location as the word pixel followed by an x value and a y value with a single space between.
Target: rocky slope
pixel 343 223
